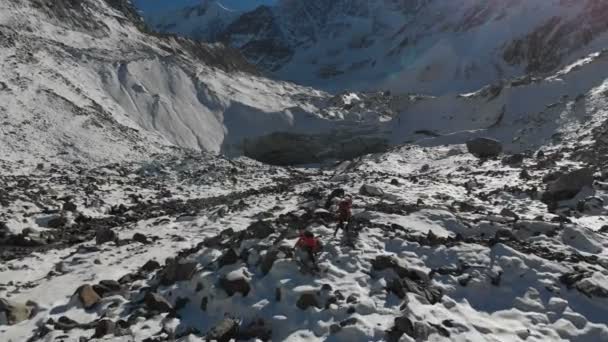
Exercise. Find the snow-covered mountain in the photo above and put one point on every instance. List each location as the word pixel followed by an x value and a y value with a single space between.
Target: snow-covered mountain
pixel 84 80
pixel 204 21
pixel 423 46
pixel 120 220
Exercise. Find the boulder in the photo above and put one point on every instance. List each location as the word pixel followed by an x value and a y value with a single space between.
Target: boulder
pixel 13 313
pixel 228 258
pixel 104 235
pixel 404 325
pixel 156 302
pixel 150 266
pixel 177 271
pixel 268 261
pixel 371 190
pixel 233 286
pixel 104 327
pixel 141 238
pixel 513 160
pixel 568 185
pixel 259 230
pixel 383 262
pixel 57 222
pixel 87 296
pixel 307 300
pixel 224 331
pixel 69 206
pixel 256 330
pixel 484 147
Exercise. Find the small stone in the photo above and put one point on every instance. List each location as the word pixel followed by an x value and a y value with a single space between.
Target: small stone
pixel 88 297
pixel 141 238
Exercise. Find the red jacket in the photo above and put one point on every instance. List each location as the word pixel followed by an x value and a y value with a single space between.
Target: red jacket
pixel 308 242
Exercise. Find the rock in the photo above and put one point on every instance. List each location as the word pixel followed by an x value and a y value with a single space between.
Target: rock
pixel 383 262
pixel 150 266
pixel 141 238
pixel 484 147
pixel 307 300
pixel 568 185
pixel 104 235
pixel 371 190
pixel 224 331
pixel 425 168
pixel 604 229
pixel 395 182
pixel 334 329
pixel 404 325
pixel 69 206
pixel 259 230
pixel 509 213
pixel 233 286
pixel 204 303
pixel 14 312
pixel 525 175
pixel 87 295
pixel 104 327
pixel 57 222
pixel 256 330
pixel 228 258
pixel 107 287
pixel 156 302
pixel 177 271
pixel 513 160
pixel 268 261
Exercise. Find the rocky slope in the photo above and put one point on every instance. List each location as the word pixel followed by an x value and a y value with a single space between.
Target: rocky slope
pixel 443 246
pixel 427 46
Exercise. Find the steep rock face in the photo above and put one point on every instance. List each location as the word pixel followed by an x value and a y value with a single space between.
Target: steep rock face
pixel 86 80
pixel 435 47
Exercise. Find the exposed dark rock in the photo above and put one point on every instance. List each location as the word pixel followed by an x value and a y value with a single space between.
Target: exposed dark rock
pixel 256 330
pixel 484 147
pixel 156 302
pixel 141 238
pixel 307 300
pixel 177 271
pixel 104 235
pixel 104 327
pixel 240 285
pixel 224 331
pixel 69 206
pixel 259 230
pixel 513 160
pixel 568 185
pixel 228 258
pixel 150 266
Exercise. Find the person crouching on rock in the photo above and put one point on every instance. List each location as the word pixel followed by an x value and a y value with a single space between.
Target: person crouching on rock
pixel 308 244
pixel 344 213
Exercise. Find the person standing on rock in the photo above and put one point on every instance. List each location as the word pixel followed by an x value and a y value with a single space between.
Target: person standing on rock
pixel 309 245
pixel 344 214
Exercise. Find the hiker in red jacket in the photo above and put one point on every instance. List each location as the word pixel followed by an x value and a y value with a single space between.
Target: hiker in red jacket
pixel 309 244
pixel 344 213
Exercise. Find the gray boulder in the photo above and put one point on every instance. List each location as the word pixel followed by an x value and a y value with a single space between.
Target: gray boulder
pixel 484 147
pixel 568 185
